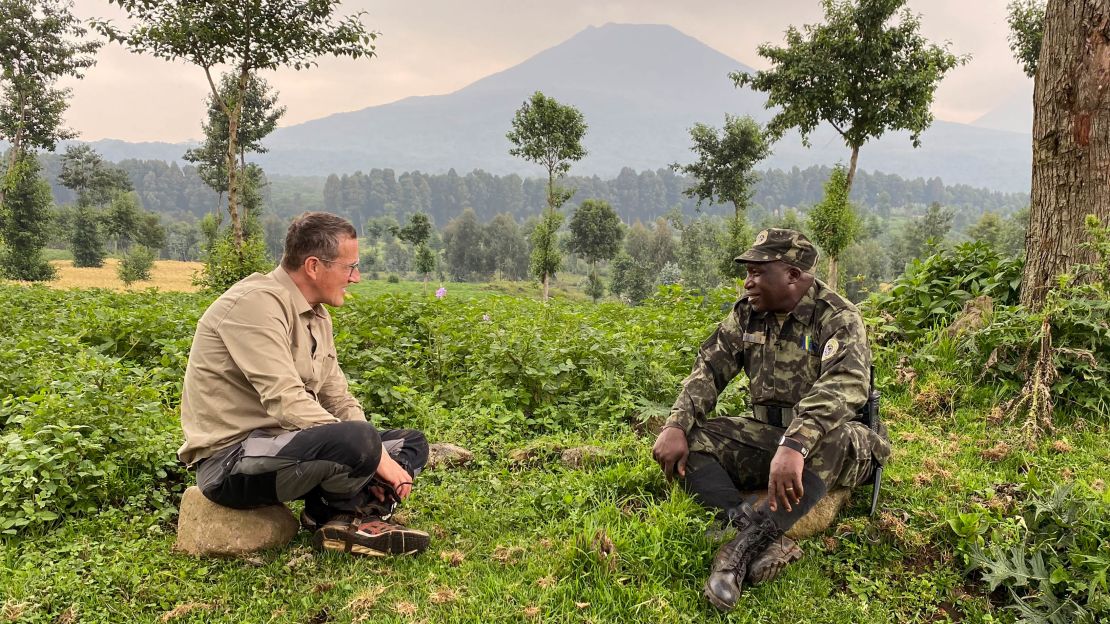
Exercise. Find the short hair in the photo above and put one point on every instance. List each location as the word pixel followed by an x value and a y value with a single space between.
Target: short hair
pixel 314 234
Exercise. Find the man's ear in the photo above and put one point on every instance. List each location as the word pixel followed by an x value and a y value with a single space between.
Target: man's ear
pixel 312 266
pixel 793 274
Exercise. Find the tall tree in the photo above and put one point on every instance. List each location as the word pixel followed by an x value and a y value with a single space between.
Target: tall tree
pixel 249 36
pixel 726 160
pixel 833 222
pixel 41 41
pixel 724 172
pixel 96 183
pixel 1071 141
pixel 863 71
pixel 258 119
pixel 595 233
pixel 26 223
pixel 550 134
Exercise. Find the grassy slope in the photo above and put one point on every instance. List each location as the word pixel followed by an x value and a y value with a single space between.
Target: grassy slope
pixel 518 540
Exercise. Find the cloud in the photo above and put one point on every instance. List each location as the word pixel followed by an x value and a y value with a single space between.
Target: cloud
pixel 436 46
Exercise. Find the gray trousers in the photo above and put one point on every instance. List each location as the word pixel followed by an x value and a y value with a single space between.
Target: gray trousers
pixel 329 466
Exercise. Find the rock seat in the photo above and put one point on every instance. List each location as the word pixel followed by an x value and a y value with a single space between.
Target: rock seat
pixel 819 518
pixel 206 529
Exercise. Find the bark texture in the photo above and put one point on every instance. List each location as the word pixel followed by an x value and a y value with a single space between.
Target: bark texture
pixel 1071 141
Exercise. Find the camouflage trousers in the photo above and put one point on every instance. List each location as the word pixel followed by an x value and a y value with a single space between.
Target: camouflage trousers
pixel 742 449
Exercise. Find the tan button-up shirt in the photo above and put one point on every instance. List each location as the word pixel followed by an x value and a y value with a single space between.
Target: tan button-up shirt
pixel 262 358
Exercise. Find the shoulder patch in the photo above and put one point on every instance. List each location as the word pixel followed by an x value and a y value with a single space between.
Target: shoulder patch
pixel 831 347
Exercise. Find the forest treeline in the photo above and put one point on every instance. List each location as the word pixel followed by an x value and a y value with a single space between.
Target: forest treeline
pixel 179 194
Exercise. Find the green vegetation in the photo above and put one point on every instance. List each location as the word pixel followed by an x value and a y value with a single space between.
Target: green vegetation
pixel 136 264
pixel 87 444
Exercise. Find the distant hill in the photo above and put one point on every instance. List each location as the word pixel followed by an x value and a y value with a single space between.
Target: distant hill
pixel 640 88
pixel 1014 114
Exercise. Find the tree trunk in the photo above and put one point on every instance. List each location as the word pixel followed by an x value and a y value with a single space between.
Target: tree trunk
pixel 1071 141
pixel 852 167
pixel 546 278
pixel 232 165
pixel 834 272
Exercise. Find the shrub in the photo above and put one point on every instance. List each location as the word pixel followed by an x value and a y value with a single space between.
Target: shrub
pixel 1051 556
pixel 932 291
pixel 225 265
pixel 136 265
pixel 393 279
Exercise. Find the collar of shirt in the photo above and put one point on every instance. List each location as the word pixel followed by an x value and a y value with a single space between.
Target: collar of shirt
pixel 807 305
pixel 299 301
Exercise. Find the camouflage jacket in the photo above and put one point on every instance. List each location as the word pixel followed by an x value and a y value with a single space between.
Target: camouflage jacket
pixel 817 363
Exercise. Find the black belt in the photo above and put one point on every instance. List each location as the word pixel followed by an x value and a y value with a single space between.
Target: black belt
pixel 772 414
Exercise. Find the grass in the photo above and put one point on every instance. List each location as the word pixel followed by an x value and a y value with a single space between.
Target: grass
pixel 521 537
pixel 521 541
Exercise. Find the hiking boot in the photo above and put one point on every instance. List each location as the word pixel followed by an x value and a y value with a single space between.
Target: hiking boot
pixel 755 531
pixel 773 560
pixel 371 537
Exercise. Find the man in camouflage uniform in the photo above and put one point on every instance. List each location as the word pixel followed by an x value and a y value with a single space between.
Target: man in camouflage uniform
pixel 804 350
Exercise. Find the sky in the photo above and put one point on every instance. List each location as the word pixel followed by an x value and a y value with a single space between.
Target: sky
pixel 429 47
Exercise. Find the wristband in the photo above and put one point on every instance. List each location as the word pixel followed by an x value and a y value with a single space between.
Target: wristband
pixel 791 443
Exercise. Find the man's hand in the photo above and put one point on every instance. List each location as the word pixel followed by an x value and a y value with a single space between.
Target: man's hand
pixel 671 451
pixel 785 484
pixel 393 474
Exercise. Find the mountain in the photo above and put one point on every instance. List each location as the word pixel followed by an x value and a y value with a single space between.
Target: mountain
pixel 1014 114
pixel 640 88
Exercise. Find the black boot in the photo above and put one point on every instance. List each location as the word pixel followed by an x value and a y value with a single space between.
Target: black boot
pixel 755 531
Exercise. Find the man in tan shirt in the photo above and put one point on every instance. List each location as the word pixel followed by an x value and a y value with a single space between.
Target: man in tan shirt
pixel 267 413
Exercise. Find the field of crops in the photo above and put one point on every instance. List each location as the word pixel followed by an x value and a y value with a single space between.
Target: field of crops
pixel 168 275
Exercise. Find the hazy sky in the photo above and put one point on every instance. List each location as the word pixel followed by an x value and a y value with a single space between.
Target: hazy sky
pixel 431 47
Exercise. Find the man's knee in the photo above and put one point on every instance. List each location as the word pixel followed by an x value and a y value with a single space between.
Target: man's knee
pixel 407 447
pixel 841 458
pixel 356 444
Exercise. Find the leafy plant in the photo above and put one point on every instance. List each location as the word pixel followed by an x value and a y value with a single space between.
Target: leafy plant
pixel 1054 567
pixel 136 265
pixel 933 290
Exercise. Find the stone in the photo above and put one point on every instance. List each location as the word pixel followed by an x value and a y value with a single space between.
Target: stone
pixel 206 529
pixel 443 455
pixel 820 517
pixel 580 456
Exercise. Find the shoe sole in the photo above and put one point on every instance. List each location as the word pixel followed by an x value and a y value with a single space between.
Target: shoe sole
pixel 759 574
pixel 383 545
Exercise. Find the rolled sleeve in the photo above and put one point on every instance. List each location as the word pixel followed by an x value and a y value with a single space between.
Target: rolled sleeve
pixel 256 333
pixel 842 386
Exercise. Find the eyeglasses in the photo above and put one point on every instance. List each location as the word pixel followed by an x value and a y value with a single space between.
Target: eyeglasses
pixel 353 266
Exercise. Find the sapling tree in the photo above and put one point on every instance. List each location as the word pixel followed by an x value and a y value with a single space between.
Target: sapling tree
pixel 548 133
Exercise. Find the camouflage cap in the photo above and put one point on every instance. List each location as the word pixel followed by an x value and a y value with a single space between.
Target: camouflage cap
pixel 790 246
